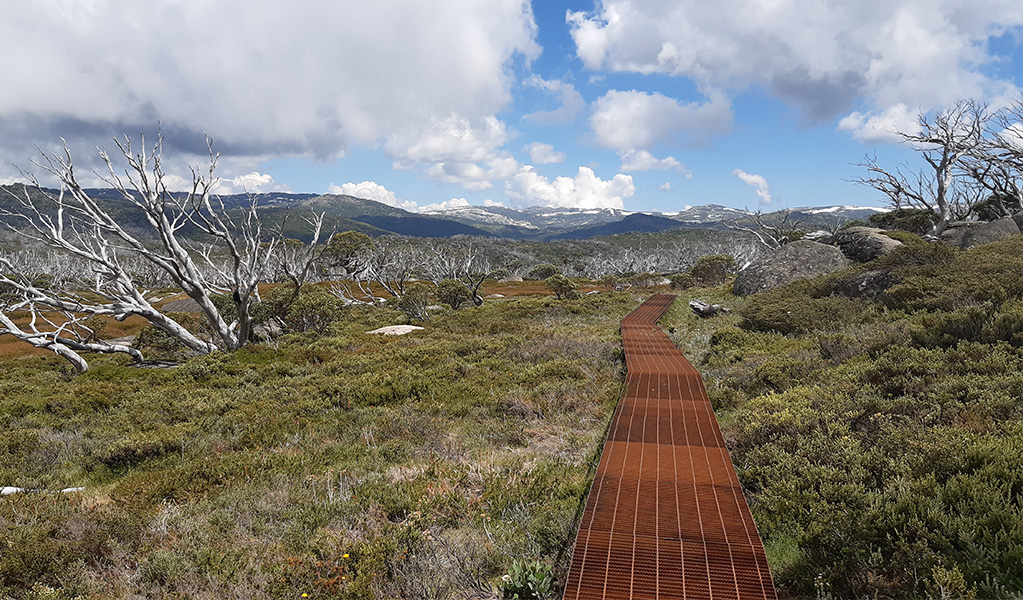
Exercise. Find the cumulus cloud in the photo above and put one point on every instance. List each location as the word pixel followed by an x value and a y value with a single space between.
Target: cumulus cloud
pixel 304 78
pixel 757 182
pixel 630 120
pixel 572 102
pixel 819 55
pixel 643 160
pixel 543 154
pixel 664 187
pixel 455 150
pixel 371 190
pixel 585 190
pixel 882 127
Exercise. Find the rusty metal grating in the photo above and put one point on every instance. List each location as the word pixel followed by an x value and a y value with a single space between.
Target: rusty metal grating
pixel 665 517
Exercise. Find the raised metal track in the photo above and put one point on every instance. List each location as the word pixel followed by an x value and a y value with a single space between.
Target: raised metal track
pixel 665 517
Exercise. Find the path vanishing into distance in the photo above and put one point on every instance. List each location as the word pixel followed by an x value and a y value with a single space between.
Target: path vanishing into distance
pixel 665 517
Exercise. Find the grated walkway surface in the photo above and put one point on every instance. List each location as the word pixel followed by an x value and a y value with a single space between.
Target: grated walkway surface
pixel 665 517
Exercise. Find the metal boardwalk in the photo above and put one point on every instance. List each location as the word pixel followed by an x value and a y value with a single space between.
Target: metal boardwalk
pixel 665 517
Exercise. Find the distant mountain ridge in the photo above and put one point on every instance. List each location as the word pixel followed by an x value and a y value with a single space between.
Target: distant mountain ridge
pixel 537 223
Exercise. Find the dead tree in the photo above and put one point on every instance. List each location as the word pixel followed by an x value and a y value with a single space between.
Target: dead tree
pixel 773 230
pixel 232 255
pixel 946 143
pixel 391 263
pixel 464 262
pixel 996 165
pixel 704 310
pixel 295 260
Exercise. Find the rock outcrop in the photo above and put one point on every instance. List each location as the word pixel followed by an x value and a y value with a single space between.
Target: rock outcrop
pixel 863 244
pixel 792 262
pixel 990 232
pixel 967 234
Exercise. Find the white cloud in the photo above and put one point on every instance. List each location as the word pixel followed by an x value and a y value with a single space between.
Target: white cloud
pixel 455 150
pixel 631 120
pixel 371 190
pixel 572 102
pixel 585 190
pixel 643 160
pixel 303 78
pixel 664 187
pixel 454 138
pixel 1013 134
pixel 821 56
pixel 543 154
pixel 757 182
pixel 882 127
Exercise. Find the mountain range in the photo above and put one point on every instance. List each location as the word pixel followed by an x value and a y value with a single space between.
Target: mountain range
pixel 533 223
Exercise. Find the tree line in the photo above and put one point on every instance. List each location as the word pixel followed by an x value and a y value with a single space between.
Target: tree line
pixel 71 261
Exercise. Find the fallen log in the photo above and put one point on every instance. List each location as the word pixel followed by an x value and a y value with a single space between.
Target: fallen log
pixel 704 310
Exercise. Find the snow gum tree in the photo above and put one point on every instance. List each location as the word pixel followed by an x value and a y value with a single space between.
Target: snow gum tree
pixel 200 246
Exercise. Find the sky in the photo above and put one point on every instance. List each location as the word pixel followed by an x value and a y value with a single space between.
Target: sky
pixel 646 105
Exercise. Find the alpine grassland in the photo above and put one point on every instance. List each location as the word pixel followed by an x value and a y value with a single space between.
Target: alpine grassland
pixel 330 463
pixel 874 416
pixel 879 436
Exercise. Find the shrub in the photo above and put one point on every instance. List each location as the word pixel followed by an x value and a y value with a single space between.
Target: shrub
pixel 908 238
pixel 946 329
pixel 543 271
pixel 155 343
pixel 681 281
pixel 712 269
pixel 799 308
pixel 914 220
pixel 313 310
pixel 612 283
pixel 453 293
pixel 562 287
pixel 934 277
pixel 996 206
pixel 644 280
pixel 414 302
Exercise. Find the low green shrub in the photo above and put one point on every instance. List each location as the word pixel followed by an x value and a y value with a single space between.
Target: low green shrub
pixel 914 220
pixel 453 293
pixel 313 310
pixel 414 302
pixel 681 281
pixel 712 269
pixel 794 308
pixel 543 271
pixel 563 287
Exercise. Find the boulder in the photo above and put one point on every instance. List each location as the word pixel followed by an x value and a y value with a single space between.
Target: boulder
pixel 1018 217
pixel 510 280
pixel 792 262
pixel 820 235
pixel 955 232
pixel 396 329
pixel 864 244
pixel 989 232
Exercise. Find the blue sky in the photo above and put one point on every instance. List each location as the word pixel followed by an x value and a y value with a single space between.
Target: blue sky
pixel 636 104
